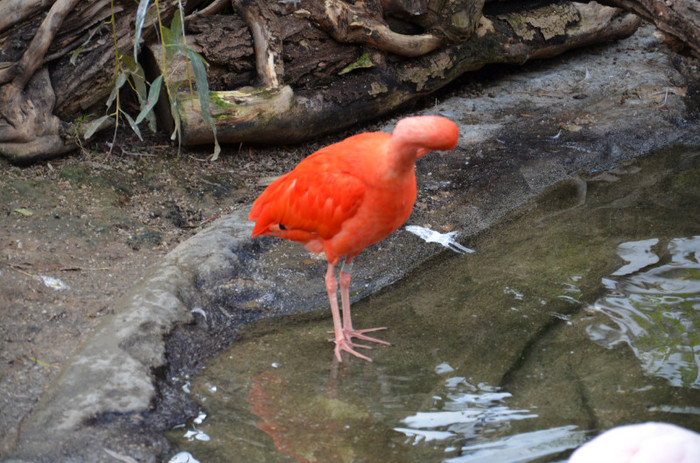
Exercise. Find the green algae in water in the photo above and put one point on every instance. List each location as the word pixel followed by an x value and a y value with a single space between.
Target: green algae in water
pixel 560 324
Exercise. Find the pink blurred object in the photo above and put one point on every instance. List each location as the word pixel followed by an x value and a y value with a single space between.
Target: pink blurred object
pixel 641 443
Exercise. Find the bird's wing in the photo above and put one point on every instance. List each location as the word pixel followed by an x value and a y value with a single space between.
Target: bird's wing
pixel 314 199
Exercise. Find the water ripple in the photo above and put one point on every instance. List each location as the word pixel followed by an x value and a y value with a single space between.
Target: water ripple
pixel 656 310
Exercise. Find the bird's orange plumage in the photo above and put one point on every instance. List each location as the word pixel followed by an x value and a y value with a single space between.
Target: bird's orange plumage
pixel 351 194
pixel 313 201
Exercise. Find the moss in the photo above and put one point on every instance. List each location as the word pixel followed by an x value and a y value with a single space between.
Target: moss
pixel 550 21
pixel 423 72
pixel 363 62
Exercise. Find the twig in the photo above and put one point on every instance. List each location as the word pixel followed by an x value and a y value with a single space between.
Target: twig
pixel 213 8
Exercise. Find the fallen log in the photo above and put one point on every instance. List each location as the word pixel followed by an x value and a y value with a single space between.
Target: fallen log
pixel 307 69
pixel 354 85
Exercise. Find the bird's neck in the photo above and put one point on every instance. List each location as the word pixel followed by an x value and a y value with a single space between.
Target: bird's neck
pixel 401 156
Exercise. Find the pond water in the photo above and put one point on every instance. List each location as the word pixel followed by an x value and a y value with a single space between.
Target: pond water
pixel 578 312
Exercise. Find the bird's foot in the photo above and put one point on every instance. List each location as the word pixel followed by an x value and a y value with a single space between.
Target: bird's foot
pixel 350 333
pixel 359 334
pixel 343 344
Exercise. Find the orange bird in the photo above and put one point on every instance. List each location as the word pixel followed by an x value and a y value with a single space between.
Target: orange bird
pixel 347 196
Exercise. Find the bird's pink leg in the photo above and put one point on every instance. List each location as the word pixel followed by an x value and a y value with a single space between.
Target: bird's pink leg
pixel 344 277
pixel 342 342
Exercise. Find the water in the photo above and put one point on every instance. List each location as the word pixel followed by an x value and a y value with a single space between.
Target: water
pixel 579 312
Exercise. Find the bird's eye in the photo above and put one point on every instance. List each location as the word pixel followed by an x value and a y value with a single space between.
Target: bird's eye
pixel 282 227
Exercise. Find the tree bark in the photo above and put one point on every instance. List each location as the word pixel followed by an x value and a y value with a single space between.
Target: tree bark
pixel 27 100
pixel 285 71
pixel 63 72
pixel 345 84
pixel 677 18
pixel 265 29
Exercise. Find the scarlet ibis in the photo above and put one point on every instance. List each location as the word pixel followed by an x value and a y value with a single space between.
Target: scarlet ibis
pixel 347 196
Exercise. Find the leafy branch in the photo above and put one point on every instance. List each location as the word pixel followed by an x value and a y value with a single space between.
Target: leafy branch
pixel 128 70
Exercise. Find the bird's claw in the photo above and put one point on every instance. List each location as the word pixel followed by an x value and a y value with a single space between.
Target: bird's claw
pixel 350 343
pixel 360 334
pixel 344 342
pixel 347 346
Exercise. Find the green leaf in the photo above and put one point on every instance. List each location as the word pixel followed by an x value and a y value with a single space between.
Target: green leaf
pixel 152 99
pixel 23 211
pixel 154 91
pixel 177 121
pixel 83 118
pixel 112 97
pixel 128 62
pixel 94 125
pixel 217 148
pixel 364 61
pixel 133 125
pixel 138 77
pixel 77 51
pixel 74 55
pixel 121 79
pixel 168 44
pixel 140 20
pixel 200 79
pixel 152 126
pixel 176 29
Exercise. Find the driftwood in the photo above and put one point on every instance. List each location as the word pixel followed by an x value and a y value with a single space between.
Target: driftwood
pixel 26 97
pixel 282 71
pixel 331 85
pixel 679 19
pixel 66 70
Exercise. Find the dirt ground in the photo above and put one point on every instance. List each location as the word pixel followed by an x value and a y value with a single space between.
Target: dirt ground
pixel 76 232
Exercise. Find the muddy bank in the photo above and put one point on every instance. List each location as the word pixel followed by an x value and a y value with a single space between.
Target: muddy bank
pixel 522 131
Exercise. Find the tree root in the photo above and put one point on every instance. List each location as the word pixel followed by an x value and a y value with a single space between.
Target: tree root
pixel 28 129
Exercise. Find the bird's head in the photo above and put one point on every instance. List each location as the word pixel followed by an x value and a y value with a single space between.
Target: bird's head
pixel 420 135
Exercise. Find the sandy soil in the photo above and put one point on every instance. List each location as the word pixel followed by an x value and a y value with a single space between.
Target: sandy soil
pixel 76 232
